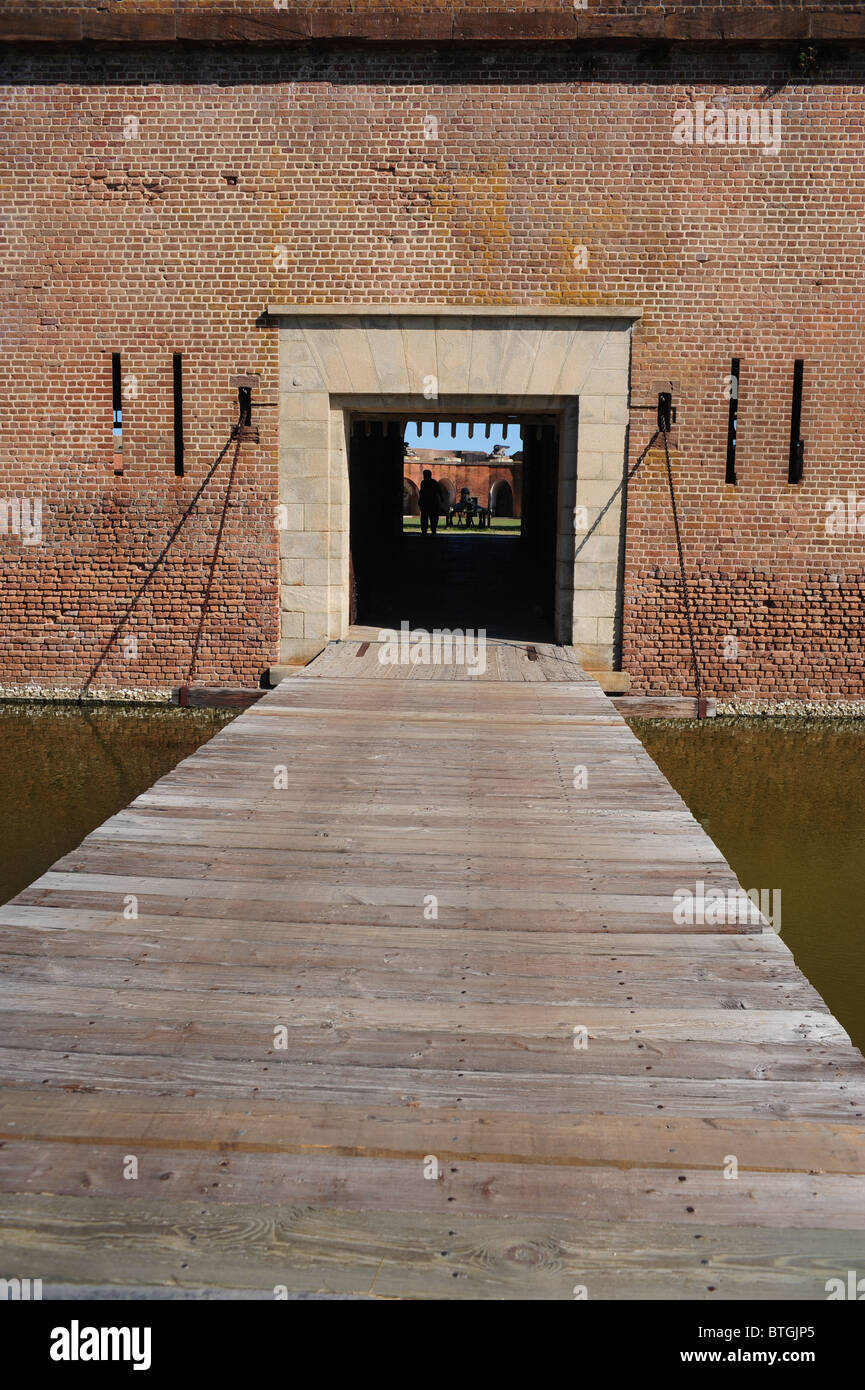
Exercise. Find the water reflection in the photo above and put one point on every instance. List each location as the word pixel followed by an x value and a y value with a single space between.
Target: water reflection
pixel 64 769
pixel 784 801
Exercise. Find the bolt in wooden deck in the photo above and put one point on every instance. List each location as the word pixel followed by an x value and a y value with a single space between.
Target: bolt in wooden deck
pixel 428 908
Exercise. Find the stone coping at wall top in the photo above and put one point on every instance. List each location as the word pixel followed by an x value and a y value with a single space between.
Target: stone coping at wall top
pixel 232 21
pixel 545 311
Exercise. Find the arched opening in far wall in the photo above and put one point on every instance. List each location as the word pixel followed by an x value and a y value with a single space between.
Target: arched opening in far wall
pixel 501 498
pixel 410 503
pixel 448 492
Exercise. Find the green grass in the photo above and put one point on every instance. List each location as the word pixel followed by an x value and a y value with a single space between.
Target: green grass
pixel 501 525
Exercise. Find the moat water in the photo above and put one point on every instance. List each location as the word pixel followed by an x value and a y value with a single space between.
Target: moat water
pixel 64 769
pixel 784 801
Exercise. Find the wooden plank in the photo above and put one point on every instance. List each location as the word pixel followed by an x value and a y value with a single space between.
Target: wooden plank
pixel 102 963
pixel 210 1243
pixel 33 26
pixel 155 1000
pixel 130 28
pixel 557 946
pixel 336 1084
pixel 485 964
pixel 244 1124
pixel 786 1200
pixel 356 1045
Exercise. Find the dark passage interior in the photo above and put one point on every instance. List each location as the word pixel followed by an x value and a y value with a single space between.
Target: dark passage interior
pixel 492 567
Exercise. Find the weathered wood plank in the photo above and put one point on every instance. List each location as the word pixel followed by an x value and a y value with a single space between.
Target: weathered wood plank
pixel 514 1054
pixel 780 1200
pixel 103 965
pixel 393 1254
pixel 259 1125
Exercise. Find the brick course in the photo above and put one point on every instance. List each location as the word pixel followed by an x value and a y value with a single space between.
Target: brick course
pixel 169 242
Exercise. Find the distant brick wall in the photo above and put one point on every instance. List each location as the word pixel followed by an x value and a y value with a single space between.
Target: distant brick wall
pixel 479 478
pixel 147 247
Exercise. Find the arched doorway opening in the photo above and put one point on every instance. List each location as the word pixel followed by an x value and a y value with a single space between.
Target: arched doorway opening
pixel 448 493
pixel 410 499
pixel 501 498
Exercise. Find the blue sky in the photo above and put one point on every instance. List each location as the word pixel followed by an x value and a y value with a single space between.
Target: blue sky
pixel 457 437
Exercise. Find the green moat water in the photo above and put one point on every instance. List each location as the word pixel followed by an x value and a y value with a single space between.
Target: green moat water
pixel 64 769
pixel 784 801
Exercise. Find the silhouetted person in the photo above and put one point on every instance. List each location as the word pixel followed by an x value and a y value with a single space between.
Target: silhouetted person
pixel 430 502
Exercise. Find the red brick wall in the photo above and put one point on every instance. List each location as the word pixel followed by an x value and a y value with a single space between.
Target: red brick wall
pixel 142 247
pixel 479 478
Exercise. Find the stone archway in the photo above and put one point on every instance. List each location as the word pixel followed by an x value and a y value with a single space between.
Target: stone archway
pixel 448 492
pixel 408 359
pixel 410 499
pixel 501 498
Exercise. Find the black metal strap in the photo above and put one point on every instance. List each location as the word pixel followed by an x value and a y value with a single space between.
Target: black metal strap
pixel 685 593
